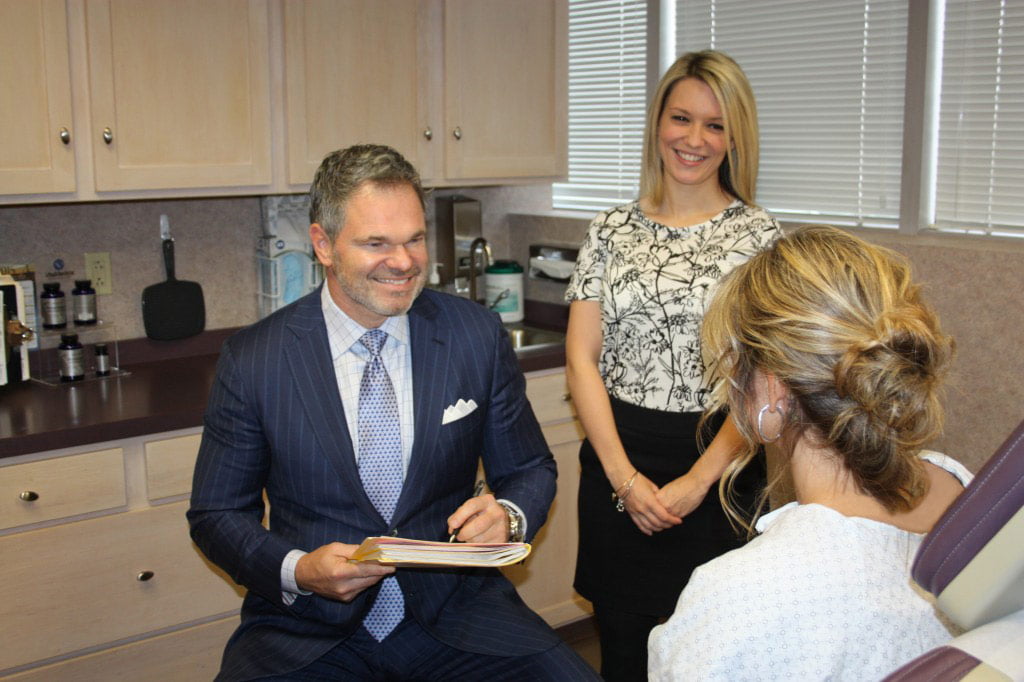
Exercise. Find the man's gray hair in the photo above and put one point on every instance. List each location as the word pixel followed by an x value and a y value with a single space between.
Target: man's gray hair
pixel 344 171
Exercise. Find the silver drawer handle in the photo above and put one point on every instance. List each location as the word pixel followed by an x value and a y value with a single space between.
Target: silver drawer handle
pixel 143 576
pixel 65 136
pixel 108 135
pixel 428 133
pixel 457 133
pixel 29 495
pixel 566 397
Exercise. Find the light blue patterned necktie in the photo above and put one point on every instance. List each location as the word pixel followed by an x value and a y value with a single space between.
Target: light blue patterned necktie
pixel 380 468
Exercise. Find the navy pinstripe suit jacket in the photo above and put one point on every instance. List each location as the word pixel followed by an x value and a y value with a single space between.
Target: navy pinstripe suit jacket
pixel 275 422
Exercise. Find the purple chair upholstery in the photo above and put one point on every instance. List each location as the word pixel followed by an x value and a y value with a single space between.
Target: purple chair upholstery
pixel 973 562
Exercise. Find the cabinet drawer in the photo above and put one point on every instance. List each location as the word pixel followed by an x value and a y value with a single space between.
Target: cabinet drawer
pixel 75 586
pixel 169 465
pixel 564 432
pixel 183 656
pixel 549 397
pixel 61 487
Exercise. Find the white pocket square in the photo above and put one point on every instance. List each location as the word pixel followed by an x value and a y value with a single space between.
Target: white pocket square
pixel 458 411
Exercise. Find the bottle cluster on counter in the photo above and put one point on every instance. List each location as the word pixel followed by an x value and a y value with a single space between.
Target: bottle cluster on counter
pixel 82 353
pixel 54 304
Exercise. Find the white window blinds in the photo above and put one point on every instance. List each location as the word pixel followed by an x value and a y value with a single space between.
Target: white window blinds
pixel 980 183
pixel 829 80
pixel 607 101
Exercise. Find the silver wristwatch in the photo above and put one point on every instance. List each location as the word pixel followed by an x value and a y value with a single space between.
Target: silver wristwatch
pixel 515 522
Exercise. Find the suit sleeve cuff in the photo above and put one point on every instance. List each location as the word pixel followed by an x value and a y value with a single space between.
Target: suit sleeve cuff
pixel 289 588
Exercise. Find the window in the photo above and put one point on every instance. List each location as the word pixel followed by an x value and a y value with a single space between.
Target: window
pixel 847 134
pixel 828 76
pixel 980 179
pixel 607 103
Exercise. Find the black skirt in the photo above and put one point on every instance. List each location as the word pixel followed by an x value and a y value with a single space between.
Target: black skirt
pixel 619 567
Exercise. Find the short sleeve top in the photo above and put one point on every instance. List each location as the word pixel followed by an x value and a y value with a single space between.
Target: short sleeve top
pixel 654 283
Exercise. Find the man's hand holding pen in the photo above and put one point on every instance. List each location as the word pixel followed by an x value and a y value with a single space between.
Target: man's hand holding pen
pixel 479 519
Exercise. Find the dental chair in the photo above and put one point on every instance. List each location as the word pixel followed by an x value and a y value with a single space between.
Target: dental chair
pixel 973 562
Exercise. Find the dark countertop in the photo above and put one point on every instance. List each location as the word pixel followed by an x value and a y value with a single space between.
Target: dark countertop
pixel 155 397
pixel 160 395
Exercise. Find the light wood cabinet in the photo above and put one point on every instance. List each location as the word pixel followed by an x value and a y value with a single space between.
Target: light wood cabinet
pixel 505 82
pixel 102 581
pixel 182 656
pixel 37 135
pixel 352 74
pixel 179 93
pixel 169 465
pixel 87 583
pixel 245 97
pixel 432 82
pixel 62 487
pixel 545 579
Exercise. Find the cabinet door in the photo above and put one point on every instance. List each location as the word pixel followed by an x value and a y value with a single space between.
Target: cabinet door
pixel 505 81
pixel 60 487
pixel 179 93
pixel 182 656
pixel 544 580
pixel 36 104
pixel 351 76
pixel 84 584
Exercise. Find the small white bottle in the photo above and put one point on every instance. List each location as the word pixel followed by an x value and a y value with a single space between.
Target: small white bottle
pixel 503 290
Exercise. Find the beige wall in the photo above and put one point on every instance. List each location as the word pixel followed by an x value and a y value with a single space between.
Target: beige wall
pixel 975 284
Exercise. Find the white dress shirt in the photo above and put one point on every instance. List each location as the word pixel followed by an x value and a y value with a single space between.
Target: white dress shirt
pixel 349 357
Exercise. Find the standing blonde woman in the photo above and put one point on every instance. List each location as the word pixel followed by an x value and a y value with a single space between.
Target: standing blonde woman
pixel 823 344
pixel 637 298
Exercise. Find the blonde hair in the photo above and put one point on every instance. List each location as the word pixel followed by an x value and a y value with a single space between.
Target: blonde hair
pixel 738 173
pixel 838 321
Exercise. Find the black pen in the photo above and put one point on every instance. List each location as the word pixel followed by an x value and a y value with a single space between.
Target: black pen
pixel 477 489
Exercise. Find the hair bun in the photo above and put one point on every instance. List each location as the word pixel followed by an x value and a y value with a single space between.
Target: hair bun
pixel 892 375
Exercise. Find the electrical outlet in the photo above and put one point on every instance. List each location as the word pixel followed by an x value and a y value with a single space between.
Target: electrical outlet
pixel 97 269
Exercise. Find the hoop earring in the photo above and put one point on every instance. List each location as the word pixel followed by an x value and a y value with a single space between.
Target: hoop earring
pixel 760 421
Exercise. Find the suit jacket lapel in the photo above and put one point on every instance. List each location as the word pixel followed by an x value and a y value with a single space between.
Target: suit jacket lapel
pixel 431 347
pixel 309 359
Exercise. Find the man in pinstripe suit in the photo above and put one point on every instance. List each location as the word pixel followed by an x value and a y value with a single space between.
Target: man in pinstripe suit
pixel 281 420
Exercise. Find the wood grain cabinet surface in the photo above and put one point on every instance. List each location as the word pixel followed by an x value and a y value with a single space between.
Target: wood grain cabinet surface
pixel 134 99
pixel 37 134
pixel 61 487
pixel 101 580
pixel 179 93
pixel 545 579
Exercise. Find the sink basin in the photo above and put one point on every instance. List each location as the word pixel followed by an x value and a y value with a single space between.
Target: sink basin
pixel 526 338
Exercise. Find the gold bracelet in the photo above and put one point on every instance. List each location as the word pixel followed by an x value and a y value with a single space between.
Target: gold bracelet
pixel 618 499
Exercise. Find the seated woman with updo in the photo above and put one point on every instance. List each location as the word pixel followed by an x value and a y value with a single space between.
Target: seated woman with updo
pixel 822 345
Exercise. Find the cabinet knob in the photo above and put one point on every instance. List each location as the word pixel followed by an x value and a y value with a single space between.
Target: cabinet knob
pixel 428 133
pixel 457 133
pixel 65 136
pixel 143 576
pixel 29 495
pixel 108 135
pixel 566 397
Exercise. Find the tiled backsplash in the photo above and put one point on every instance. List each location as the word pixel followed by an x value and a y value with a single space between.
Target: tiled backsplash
pixel 215 243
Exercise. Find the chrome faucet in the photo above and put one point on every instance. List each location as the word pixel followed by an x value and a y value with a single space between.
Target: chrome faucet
pixel 479 244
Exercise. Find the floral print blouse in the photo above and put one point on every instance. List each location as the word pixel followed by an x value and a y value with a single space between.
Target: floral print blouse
pixel 654 283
